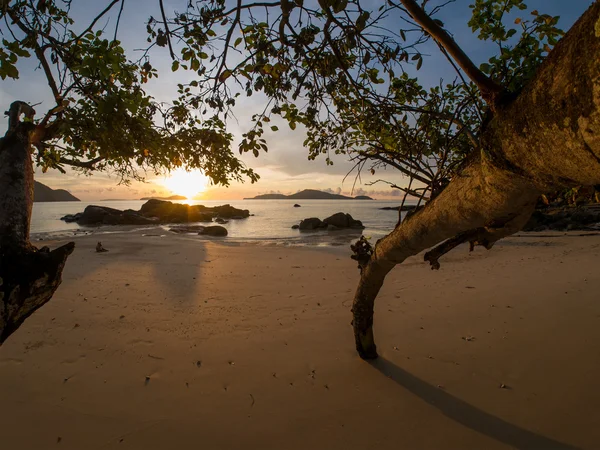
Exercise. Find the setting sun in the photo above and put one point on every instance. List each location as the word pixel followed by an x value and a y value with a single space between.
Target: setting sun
pixel 185 183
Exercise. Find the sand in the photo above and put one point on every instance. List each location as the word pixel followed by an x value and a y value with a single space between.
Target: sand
pixel 174 342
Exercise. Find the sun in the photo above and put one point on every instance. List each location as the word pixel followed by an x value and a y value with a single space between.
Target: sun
pixel 185 183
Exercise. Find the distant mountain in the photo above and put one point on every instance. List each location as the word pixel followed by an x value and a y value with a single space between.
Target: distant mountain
pixel 308 194
pixel 172 197
pixel 42 193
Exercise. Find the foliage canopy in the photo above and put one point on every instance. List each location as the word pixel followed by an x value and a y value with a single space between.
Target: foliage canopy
pixel 348 71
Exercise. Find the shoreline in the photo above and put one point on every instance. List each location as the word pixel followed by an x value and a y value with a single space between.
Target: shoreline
pixel 180 342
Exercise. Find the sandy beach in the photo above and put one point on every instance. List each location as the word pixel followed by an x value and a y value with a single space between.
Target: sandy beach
pixel 176 342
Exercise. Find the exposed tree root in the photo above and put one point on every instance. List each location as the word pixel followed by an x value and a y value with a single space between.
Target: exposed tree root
pixel 28 279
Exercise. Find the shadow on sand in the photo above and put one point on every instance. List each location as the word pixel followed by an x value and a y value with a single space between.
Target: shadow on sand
pixel 468 415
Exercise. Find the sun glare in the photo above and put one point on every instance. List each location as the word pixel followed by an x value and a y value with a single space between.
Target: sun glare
pixel 185 183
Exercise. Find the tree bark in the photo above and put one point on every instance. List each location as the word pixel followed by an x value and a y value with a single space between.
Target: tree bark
pixel 547 137
pixel 28 276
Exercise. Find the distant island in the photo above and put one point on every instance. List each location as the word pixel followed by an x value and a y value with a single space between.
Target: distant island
pixel 43 193
pixel 172 197
pixel 308 194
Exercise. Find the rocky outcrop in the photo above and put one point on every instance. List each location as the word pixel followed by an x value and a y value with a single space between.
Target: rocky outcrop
pixel 312 223
pixel 343 220
pixel 565 218
pixel 335 222
pixel 214 230
pixel 101 215
pixel 211 230
pixel 187 229
pixel 155 212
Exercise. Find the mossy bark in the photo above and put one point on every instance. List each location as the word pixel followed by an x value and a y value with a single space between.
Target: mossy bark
pixel 547 137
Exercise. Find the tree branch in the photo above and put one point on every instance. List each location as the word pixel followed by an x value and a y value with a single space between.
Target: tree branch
pixel 490 91
pixel 167 33
pixel 82 164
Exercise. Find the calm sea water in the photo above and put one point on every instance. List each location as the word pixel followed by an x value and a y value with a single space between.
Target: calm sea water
pixel 272 220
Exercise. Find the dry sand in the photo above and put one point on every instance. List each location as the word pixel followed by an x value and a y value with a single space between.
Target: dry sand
pixel 173 342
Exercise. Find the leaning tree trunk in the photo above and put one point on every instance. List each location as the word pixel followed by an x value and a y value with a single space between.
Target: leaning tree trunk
pixel 28 276
pixel 548 137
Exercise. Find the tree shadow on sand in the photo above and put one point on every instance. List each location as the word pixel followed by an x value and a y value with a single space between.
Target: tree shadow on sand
pixel 466 414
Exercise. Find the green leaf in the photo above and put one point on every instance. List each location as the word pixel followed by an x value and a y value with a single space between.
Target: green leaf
pixel 175 66
pixel 339 5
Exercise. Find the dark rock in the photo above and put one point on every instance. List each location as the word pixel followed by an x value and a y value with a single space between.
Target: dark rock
pixel 101 215
pixel 296 205
pixel 214 230
pixel 221 221
pixel 311 223
pixel 187 229
pixel 71 217
pixel 343 220
pixel 169 212
pixel 131 217
pixel 154 212
pixel 564 218
pixel 295 227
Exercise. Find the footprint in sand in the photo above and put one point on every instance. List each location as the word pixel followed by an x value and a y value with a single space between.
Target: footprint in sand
pixel 73 360
pixel 10 362
pixel 141 342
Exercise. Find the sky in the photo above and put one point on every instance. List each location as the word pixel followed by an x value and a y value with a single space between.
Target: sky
pixel 285 168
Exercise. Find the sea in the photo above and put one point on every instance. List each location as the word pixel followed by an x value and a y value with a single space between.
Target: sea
pixel 271 222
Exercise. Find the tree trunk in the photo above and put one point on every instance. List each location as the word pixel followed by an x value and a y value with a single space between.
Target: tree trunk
pixel 28 276
pixel 546 138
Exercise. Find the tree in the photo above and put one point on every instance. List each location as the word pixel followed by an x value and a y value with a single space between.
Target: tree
pixel 101 119
pixel 520 125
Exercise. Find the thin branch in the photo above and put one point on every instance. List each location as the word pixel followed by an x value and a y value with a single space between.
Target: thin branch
pixel 96 19
pixel 490 90
pixel 82 164
pixel 167 33
pixel 119 19
pixel 227 41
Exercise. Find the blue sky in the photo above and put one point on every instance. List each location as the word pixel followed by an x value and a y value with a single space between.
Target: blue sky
pixel 286 167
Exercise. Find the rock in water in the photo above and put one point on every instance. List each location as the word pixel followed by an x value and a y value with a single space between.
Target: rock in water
pixel 337 221
pixel 101 215
pixel 296 205
pixel 155 212
pixel 312 223
pixel 99 248
pixel 215 230
pixel 343 220
pixel 187 229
